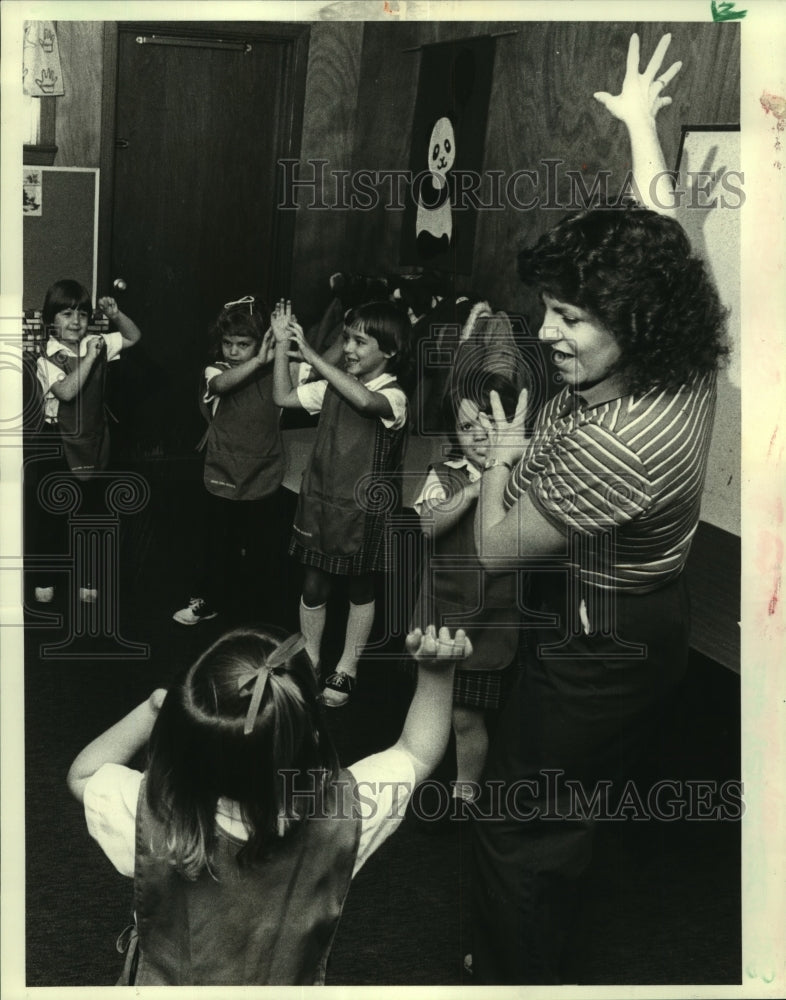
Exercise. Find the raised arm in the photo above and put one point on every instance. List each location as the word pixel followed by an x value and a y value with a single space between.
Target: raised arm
pixel 427 726
pixel 127 328
pixel 373 404
pixel 284 391
pixel 69 387
pixel 231 378
pixel 637 106
pixel 118 745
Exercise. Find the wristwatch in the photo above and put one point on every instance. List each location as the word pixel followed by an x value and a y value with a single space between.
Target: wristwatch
pixel 492 463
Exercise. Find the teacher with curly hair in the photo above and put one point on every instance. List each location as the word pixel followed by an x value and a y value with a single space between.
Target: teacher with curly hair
pixel 600 501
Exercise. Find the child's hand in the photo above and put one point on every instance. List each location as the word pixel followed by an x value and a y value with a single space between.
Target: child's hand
pixel 280 319
pixel 506 439
pixel 94 346
pixel 267 348
pixel 156 700
pixel 300 349
pixel 108 307
pixel 641 97
pixel 430 646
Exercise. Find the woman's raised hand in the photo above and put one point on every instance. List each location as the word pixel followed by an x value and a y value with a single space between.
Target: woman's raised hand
pixel 430 645
pixel 506 438
pixel 641 97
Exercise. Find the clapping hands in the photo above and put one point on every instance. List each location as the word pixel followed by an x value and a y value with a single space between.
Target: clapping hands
pixel 281 319
pixel 287 330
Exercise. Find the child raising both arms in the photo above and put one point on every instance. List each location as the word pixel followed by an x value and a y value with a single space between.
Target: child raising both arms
pixel 72 374
pixel 338 529
pixel 243 835
pixel 244 462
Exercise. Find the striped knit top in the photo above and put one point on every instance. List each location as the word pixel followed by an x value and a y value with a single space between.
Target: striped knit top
pixel 629 470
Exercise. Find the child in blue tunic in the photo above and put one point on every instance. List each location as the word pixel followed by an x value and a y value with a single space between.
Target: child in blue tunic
pixel 455 589
pixel 244 459
pixel 350 486
pixel 243 835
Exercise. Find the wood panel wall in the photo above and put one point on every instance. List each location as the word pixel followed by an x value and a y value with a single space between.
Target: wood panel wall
pixel 359 105
pixel 78 122
pixel 322 241
pixel 541 107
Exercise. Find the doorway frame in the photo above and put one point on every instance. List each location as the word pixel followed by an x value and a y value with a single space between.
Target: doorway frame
pixel 296 35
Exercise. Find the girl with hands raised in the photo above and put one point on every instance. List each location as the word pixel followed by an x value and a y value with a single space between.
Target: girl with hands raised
pixel 242 799
pixel 72 375
pixel 350 486
pixel 244 462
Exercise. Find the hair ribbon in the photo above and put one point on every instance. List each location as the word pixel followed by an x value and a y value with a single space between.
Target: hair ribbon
pixel 247 300
pixel 259 677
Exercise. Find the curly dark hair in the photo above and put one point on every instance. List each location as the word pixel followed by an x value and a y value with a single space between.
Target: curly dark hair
pixel 240 319
pixel 634 271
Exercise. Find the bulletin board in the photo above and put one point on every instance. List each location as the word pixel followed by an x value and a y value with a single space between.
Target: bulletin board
pixel 60 229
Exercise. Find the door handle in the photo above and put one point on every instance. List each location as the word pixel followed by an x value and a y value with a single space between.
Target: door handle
pixel 121 143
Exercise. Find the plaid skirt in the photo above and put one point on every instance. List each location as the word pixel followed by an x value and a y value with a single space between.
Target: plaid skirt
pixel 373 556
pixel 473 688
pixel 477 688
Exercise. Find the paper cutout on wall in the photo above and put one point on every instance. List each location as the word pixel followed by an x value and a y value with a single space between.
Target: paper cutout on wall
pixel 435 208
pixel 42 75
pixel 32 199
pixel 448 136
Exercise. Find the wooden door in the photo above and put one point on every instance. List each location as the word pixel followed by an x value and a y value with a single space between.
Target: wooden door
pixel 202 114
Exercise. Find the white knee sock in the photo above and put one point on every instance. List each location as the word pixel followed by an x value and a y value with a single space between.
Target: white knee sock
pixel 359 622
pixel 312 625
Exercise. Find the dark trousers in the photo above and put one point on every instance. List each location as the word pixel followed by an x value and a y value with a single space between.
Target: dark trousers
pixel 244 547
pixel 53 496
pixel 578 717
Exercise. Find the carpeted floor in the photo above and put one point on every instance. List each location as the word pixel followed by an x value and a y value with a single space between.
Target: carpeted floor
pixel 661 903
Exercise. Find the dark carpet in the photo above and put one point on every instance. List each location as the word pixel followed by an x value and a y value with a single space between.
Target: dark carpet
pixel 661 903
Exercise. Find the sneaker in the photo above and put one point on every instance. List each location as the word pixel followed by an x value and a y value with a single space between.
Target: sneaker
pixel 88 595
pixel 338 687
pixel 44 595
pixel 198 610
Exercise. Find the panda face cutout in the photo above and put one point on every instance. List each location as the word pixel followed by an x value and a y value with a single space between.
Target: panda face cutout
pixel 441 150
